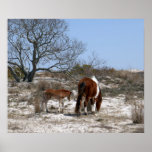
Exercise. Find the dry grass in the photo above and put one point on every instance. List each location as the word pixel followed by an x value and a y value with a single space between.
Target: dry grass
pixel 56 86
pixel 13 90
pixel 42 85
pixel 44 74
pixel 129 84
pixel 73 85
pixel 12 83
pixel 52 75
pixel 23 98
pixel 138 113
pixel 37 105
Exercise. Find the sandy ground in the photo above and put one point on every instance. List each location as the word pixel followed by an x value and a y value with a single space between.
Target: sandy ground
pixel 114 117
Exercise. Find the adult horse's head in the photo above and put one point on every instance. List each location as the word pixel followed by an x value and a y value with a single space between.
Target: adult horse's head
pixel 98 100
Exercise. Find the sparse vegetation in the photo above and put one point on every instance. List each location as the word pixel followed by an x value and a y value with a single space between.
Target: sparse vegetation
pixel 13 90
pixel 118 89
pixel 37 105
pixel 41 55
pixel 42 85
pixel 138 113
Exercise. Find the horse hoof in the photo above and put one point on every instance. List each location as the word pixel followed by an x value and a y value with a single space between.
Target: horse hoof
pixel 93 113
pixel 78 114
pixel 86 113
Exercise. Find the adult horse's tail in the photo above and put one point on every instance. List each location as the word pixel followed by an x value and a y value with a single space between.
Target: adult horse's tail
pixel 99 101
pixel 81 89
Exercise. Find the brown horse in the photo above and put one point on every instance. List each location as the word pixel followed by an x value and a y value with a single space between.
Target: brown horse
pixel 58 94
pixel 89 88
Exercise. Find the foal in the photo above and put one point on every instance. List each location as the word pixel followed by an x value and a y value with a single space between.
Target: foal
pixel 58 94
pixel 89 88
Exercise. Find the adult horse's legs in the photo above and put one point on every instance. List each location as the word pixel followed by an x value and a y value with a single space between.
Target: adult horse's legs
pixel 78 104
pixel 85 105
pixel 93 108
pixel 81 88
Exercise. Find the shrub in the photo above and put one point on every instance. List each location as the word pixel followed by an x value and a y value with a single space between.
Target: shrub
pixel 138 113
pixel 42 85
pixel 37 105
pixel 56 86
pixel 83 70
pixel 17 71
pixel 13 91
pixel 12 83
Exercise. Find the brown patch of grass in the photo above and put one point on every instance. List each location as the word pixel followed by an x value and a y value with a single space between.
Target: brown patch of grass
pixel 139 130
pixel 73 85
pixel 99 119
pixel 13 90
pixel 12 83
pixel 106 127
pixel 14 127
pixel 37 105
pixel 43 74
pixel 56 86
pixel 23 98
pixel 138 113
pixel 42 85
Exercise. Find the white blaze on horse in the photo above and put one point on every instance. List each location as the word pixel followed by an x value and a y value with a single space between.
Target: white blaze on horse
pixel 89 88
pixel 58 94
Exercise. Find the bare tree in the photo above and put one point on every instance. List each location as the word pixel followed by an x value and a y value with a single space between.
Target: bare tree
pixel 40 44
pixel 94 61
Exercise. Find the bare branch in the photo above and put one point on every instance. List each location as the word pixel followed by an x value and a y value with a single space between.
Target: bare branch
pixel 35 43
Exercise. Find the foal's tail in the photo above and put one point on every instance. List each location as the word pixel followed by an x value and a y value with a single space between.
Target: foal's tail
pixel 81 89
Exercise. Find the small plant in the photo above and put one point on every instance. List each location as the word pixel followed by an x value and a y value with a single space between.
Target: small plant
pixel 37 105
pixel 13 91
pixel 42 85
pixel 138 113
pixel 12 84
pixel 56 86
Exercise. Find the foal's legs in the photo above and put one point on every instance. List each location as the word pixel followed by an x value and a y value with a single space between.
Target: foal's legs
pixel 62 105
pixel 59 106
pixel 41 105
pixel 46 107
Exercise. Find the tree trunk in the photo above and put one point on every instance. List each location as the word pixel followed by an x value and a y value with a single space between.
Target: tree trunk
pixel 30 76
pixel 13 74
